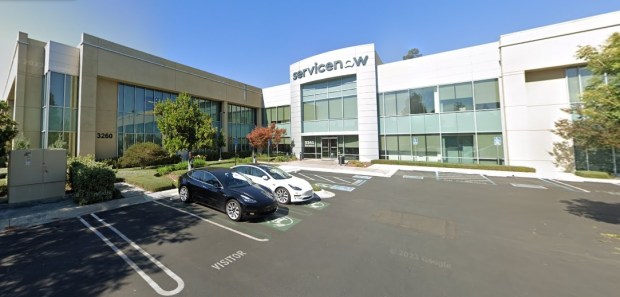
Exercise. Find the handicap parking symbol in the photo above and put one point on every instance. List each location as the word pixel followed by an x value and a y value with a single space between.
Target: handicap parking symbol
pixel 282 223
pixel 317 205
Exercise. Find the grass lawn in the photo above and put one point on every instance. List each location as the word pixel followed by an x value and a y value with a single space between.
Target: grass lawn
pixel 146 178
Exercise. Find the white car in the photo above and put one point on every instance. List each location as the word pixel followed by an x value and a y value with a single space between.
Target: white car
pixel 286 187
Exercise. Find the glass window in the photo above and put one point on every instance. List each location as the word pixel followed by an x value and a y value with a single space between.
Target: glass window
pixel 280 113
pixel 322 110
pixel 55 119
pixel 351 145
pixel 402 103
pixel 380 103
pixel 70 91
pixel 287 114
pixel 404 145
pixel 149 100
pixel 120 103
pixel 486 94
pixel 350 107
pixel 57 89
pixel 158 96
pixel 487 148
pixel 129 99
pixel 391 145
pixel 139 100
pixel 335 108
pixel 389 104
pixel 457 97
pixel 422 100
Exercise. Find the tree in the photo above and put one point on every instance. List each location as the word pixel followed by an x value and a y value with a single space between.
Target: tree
pixel 412 53
pixel 183 126
pixel 260 136
pixel 596 119
pixel 8 129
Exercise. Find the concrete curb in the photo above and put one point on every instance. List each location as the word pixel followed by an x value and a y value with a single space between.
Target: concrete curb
pixel 72 212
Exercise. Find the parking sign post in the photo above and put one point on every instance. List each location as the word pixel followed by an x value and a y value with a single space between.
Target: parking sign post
pixel 497 141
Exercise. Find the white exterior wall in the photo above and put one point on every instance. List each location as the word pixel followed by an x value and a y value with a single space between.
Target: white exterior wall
pixel 534 93
pixel 367 124
pixel 463 65
pixel 277 96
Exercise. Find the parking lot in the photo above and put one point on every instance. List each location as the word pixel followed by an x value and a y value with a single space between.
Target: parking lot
pixel 414 234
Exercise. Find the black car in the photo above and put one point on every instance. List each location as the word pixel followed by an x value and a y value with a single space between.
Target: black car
pixel 227 191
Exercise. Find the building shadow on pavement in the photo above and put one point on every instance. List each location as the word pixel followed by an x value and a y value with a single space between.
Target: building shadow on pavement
pixel 595 210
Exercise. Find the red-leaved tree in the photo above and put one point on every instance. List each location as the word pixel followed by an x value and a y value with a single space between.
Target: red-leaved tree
pixel 260 136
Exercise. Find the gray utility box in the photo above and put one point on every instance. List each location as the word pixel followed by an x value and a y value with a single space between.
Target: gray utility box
pixel 36 174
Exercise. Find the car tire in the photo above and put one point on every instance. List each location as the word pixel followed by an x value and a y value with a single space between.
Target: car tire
pixel 233 210
pixel 282 195
pixel 184 194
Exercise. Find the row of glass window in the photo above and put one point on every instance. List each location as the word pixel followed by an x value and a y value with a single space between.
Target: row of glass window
pixel 334 88
pixel 458 122
pixel 335 108
pixel 241 114
pixel 453 148
pixel 477 95
pixel 133 99
pixel 278 114
pixel 59 111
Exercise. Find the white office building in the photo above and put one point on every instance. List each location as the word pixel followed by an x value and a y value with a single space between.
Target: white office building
pixel 488 104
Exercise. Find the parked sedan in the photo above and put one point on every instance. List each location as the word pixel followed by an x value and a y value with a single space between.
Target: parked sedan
pixel 227 191
pixel 286 187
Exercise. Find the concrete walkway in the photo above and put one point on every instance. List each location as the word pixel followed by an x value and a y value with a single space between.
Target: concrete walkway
pixel 28 215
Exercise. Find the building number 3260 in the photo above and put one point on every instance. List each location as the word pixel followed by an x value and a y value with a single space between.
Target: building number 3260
pixel 104 135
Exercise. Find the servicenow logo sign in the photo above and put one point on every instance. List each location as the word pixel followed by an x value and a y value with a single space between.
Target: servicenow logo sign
pixel 330 66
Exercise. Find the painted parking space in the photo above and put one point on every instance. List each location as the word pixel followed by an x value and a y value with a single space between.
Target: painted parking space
pixel 180 284
pixel 330 181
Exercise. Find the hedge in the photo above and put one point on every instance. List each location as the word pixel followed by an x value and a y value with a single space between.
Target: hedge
pixel 594 174
pixel 91 181
pixel 453 165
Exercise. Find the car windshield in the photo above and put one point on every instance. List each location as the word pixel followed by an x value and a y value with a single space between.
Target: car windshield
pixel 278 173
pixel 235 180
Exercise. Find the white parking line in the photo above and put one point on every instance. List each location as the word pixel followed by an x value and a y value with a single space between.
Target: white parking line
pixel 563 185
pixel 324 178
pixel 306 176
pixel 341 179
pixel 528 186
pixel 488 180
pixel 214 223
pixel 149 280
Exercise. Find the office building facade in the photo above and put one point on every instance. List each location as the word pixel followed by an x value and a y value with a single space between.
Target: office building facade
pixel 494 103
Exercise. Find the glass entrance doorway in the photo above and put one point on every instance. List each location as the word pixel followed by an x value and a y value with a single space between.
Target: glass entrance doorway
pixel 329 148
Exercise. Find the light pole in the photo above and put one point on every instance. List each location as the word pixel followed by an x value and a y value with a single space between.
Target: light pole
pixel 219 132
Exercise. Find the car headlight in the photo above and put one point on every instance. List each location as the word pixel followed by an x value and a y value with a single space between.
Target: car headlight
pixel 294 187
pixel 247 199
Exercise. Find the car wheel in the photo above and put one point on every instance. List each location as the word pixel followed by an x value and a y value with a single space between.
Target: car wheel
pixel 184 194
pixel 282 195
pixel 233 210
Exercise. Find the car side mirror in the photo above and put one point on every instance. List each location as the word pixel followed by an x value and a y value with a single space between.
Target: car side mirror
pixel 265 177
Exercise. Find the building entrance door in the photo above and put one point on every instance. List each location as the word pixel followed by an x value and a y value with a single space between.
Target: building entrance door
pixel 329 148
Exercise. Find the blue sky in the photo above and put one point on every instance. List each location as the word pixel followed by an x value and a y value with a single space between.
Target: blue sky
pixel 255 41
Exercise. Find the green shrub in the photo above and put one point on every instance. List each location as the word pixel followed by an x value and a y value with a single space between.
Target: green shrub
pixel 593 174
pixel 144 154
pixel 356 163
pixel 90 181
pixel 453 165
pixel 3 188
pixel 316 188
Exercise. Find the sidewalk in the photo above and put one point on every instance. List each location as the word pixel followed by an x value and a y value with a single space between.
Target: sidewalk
pixel 28 215
pixel 385 170
pixel 23 216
